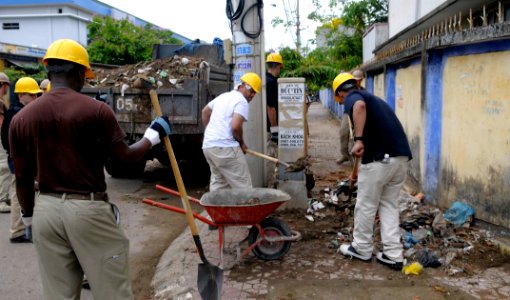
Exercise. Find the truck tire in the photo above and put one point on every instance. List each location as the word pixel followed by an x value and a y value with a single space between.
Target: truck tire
pixel 121 169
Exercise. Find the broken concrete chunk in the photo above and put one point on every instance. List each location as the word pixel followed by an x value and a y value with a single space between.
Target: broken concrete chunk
pixel 144 70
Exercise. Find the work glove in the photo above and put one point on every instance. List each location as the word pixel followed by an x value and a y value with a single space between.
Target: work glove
pixel 159 128
pixel 274 134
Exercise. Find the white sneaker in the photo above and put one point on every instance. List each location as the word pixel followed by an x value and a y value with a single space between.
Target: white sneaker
pixel 383 259
pixel 348 250
pixel 4 207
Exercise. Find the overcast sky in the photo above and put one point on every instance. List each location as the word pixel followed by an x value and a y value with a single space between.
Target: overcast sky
pixel 206 19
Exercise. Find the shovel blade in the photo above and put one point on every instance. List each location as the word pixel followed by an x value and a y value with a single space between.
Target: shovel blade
pixel 209 281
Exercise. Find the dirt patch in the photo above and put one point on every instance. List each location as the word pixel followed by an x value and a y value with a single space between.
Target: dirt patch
pixel 456 251
pixel 151 229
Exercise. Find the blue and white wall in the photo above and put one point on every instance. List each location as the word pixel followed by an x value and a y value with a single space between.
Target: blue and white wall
pixel 41 22
pixel 458 126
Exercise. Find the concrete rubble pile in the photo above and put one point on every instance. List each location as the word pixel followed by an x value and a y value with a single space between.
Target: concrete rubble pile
pixel 429 235
pixel 167 72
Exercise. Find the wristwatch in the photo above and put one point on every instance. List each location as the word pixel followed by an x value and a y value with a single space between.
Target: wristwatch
pixel 358 138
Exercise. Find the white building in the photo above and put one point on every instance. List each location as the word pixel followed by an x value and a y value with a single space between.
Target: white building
pixel 37 23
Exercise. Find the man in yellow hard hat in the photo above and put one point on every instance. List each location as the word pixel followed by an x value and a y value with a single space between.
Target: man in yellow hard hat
pixel 382 145
pixel 27 90
pixel 5 175
pixel 346 141
pixel 62 140
pixel 224 145
pixel 274 63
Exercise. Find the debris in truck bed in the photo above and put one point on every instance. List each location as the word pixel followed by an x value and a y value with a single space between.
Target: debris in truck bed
pixel 166 72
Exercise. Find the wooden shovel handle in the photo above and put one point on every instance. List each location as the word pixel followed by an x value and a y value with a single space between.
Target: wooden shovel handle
pixel 354 173
pixel 175 168
pixel 270 158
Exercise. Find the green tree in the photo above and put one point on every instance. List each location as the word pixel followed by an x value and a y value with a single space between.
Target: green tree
pixel 121 42
pixel 314 68
pixel 37 72
pixel 344 23
pixel 362 14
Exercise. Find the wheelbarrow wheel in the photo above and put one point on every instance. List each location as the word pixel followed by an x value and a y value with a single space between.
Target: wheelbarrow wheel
pixel 266 250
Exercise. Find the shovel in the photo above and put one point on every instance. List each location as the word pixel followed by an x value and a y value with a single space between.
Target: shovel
pixel 270 158
pixel 297 166
pixel 354 175
pixel 210 277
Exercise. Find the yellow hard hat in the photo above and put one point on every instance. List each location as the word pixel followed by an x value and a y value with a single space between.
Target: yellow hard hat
pixel 4 78
pixel 48 87
pixel 67 49
pixel 252 80
pixel 339 80
pixel 27 85
pixel 274 57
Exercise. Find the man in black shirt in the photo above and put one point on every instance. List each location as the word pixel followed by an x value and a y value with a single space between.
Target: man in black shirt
pixel 274 66
pixel 381 143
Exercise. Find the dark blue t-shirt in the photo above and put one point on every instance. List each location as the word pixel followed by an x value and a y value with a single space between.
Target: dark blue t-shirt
pixel 383 132
pixel 271 95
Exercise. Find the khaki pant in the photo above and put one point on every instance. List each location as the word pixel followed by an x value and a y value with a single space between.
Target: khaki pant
pixel 73 237
pixel 346 142
pixel 5 176
pixel 17 226
pixel 271 167
pixel 379 186
pixel 229 168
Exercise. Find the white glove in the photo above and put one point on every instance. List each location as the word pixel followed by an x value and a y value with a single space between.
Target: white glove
pixel 153 136
pixel 27 221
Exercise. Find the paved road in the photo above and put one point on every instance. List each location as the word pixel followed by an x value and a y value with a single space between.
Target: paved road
pixel 149 229
pixel 19 278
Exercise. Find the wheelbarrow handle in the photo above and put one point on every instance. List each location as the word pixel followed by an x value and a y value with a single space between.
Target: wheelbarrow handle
pixel 177 209
pixel 175 193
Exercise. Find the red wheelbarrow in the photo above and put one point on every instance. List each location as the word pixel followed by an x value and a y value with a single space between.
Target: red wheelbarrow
pixel 269 238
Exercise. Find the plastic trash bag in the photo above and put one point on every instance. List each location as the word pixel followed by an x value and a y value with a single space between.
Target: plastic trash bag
pixel 412 269
pixel 409 240
pixel 459 213
pixel 428 259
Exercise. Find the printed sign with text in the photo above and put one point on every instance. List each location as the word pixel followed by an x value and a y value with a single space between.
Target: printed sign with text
pixel 291 138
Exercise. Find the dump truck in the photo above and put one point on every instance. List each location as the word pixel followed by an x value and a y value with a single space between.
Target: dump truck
pixel 187 78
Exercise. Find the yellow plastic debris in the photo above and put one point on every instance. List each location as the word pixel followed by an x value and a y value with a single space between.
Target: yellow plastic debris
pixel 412 269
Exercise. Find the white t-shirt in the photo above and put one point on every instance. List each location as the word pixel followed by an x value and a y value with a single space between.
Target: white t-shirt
pixel 218 132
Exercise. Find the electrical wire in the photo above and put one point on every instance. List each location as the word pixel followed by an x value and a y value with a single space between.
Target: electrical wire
pixel 232 16
pixel 259 6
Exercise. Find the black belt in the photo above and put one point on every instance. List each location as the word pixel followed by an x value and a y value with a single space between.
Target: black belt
pixel 98 196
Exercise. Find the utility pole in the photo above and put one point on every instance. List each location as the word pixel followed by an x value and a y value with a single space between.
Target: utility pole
pixel 298 28
pixel 293 19
pixel 248 54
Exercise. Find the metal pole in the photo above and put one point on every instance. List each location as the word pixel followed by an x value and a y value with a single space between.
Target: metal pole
pixel 247 51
